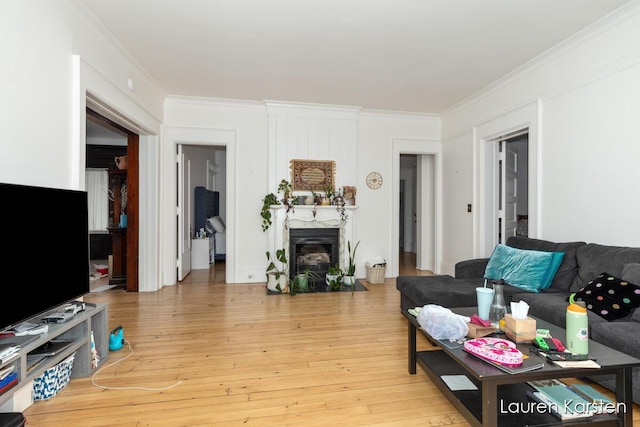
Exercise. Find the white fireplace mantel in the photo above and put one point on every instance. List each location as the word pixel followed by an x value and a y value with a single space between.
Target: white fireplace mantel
pixel 306 216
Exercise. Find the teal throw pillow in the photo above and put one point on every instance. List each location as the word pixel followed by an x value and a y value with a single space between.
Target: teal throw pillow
pixel 553 268
pixel 525 269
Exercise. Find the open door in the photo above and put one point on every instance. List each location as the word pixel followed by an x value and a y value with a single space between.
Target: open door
pixel 183 218
pixel 509 192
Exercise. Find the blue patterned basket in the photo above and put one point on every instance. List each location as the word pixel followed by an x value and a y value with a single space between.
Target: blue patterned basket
pixel 53 379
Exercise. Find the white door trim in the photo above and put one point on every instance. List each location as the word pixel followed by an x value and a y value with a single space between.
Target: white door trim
pixel 427 187
pixel 89 84
pixel 485 189
pixel 173 136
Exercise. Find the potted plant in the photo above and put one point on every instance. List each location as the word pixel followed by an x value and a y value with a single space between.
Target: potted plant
pixel 285 188
pixel 328 194
pixel 349 275
pixel 271 199
pixel 302 280
pixel 277 279
pixel 334 277
pixel 318 198
pixel 287 194
pixel 265 213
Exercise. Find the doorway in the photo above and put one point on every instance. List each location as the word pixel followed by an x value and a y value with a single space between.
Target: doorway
pixel 427 201
pixel 115 140
pixel 200 166
pixel 407 215
pixel 513 181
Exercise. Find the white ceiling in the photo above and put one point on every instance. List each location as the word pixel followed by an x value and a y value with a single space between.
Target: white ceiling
pixel 400 55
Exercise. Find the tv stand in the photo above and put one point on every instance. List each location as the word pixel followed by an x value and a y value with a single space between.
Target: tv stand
pixel 77 330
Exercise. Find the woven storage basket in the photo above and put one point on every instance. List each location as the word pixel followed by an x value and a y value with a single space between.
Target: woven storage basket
pixel 375 274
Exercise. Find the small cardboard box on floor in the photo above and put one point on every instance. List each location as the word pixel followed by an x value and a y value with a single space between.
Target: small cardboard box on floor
pixel 520 330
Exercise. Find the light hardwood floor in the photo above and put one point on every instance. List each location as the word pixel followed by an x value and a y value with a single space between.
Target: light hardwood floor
pixel 248 359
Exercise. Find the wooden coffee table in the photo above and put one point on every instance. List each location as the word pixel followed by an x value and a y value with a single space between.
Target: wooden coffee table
pixel 498 390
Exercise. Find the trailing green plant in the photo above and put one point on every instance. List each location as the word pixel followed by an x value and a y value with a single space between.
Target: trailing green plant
pixel 265 212
pixel 287 194
pixel 336 282
pixel 271 199
pixel 334 270
pixel 281 257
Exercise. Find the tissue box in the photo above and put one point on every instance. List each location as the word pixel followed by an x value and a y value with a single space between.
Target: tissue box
pixel 520 330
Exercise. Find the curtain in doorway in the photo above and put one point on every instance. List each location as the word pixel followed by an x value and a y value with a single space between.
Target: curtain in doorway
pixel 98 198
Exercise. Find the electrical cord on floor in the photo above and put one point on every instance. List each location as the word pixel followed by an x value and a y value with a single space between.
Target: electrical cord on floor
pixel 104 387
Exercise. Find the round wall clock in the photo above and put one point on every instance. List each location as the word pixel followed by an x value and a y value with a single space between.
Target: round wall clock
pixel 374 180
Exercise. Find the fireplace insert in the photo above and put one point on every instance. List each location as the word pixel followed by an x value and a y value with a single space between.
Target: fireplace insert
pixel 313 248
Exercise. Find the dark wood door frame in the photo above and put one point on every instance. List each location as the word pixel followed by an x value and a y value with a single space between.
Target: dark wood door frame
pixel 133 218
pixel 133 194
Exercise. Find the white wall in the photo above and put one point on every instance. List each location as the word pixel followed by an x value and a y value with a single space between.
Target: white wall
pixel 587 174
pixel 585 92
pixel 36 107
pixel 55 55
pixel 242 128
pixel 268 136
pixel 382 138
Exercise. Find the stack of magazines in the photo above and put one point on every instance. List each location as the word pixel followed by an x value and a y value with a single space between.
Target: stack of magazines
pixel 8 378
pixel 570 401
pixel 8 352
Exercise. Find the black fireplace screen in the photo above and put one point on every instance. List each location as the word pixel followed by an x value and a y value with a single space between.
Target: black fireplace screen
pixel 313 248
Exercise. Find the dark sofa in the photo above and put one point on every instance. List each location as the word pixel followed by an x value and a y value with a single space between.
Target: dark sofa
pixel 581 263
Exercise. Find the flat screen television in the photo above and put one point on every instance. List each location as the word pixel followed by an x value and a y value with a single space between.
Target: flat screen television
pixel 45 261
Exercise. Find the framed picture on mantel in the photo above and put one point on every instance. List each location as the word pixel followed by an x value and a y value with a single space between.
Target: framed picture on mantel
pixel 312 175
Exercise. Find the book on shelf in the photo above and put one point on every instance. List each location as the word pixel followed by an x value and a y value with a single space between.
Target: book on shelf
pixel 554 407
pixel 601 403
pixel 7 351
pixel 561 399
pixel 4 372
pixel 7 380
pixel 9 358
pixel 12 383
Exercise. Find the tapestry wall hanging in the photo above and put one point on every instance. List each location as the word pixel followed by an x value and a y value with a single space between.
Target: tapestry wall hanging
pixel 312 175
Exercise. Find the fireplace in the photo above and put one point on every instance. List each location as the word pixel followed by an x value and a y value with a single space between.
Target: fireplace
pixel 313 248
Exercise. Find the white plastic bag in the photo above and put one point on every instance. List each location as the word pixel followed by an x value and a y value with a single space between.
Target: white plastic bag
pixel 441 323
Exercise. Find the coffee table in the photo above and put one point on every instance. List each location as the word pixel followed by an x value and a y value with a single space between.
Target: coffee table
pixel 499 391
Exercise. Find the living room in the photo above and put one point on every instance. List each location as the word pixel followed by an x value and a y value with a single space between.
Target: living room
pixel 572 99
pixel 580 102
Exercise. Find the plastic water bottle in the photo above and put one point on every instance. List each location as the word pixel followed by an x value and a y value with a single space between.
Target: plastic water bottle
pixel 577 329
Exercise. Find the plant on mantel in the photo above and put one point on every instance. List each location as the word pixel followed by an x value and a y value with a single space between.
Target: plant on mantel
pixel 271 199
pixel 265 213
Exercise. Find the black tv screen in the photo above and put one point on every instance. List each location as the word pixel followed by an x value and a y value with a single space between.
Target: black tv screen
pixel 45 261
